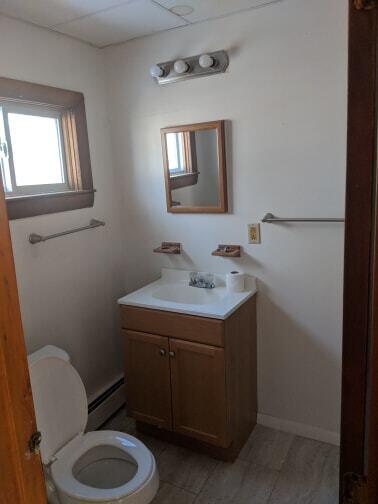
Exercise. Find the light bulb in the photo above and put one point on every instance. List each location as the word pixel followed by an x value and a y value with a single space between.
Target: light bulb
pixel 157 71
pixel 181 67
pixel 206 61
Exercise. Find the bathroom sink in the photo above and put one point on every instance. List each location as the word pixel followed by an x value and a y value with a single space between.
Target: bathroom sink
pixel 173 293
pixel 184 294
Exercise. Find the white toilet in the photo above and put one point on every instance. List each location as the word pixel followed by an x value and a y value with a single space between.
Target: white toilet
pixel 97 467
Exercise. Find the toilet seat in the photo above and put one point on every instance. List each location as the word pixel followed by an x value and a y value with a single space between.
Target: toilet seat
pixel 62 470
pixel 103 459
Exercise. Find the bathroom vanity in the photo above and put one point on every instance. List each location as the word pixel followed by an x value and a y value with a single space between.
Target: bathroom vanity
pixel 190 364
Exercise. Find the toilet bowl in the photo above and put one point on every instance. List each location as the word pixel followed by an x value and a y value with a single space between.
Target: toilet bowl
pixel 97 467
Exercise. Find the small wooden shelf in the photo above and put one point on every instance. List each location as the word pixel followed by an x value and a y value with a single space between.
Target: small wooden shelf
pixel 227 251
pixel 168 248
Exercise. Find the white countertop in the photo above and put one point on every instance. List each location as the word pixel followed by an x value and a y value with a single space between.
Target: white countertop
pixel 173 293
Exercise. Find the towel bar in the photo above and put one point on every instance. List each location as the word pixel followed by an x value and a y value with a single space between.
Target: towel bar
pixel 270 218
pixel 36 238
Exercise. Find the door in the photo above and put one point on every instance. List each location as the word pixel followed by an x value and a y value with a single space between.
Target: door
pixel 199 399
pixel 148 383
pixel 359 424
pixel 21 477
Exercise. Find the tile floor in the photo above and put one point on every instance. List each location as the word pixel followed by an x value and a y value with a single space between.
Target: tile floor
pixel 273 468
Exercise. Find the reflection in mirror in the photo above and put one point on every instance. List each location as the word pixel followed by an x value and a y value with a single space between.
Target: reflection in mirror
pixel 175 148
pixel 195 168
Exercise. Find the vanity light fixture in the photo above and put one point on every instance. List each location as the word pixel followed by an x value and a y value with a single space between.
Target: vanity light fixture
pixel 191 67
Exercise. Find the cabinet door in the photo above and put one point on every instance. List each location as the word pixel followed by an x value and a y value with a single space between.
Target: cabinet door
pixel 199 400
pixel 147 376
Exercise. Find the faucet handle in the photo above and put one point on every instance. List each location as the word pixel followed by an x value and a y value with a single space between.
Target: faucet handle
pixel 208 277
pixel 193 277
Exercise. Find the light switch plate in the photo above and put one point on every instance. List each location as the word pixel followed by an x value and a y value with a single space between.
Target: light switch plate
pixel 254 233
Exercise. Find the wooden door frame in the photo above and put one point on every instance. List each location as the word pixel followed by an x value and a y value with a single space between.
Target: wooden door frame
pixel 358 442
pixel 21 476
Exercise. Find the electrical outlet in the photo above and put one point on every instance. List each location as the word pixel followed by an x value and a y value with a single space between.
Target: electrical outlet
pixel 254 233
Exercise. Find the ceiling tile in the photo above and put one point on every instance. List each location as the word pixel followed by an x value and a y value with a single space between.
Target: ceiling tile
pixel 52 12
pixel 122 23
pixel 207 9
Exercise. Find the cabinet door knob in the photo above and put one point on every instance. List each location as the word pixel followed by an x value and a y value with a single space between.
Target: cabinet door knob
pixel 172 354
pixel 162 352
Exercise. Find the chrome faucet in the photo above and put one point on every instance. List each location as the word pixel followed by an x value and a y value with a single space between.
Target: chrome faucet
pixel 201 280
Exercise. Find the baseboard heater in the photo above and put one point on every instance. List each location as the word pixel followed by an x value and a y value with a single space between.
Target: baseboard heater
pixel 106 404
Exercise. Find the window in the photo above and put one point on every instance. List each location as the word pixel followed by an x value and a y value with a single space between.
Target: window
pixel 44 150
pixel 175 150
pixel 181 156
pixel 32 157
pixel 181 153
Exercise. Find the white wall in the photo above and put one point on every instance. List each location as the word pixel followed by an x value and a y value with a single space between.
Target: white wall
pixel 285 96
pixel 68 287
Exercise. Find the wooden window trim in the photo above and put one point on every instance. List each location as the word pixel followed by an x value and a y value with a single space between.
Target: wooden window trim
pixel 190 152
pixel 185 180
pixel 76 146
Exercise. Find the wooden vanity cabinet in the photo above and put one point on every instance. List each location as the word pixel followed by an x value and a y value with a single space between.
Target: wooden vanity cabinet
pixel 148 380
pixel 199 396
pixel 192 378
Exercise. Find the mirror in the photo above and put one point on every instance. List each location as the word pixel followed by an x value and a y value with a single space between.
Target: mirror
pixel 195 168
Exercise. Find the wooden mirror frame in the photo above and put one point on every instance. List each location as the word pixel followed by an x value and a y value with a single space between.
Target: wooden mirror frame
pixel 222 193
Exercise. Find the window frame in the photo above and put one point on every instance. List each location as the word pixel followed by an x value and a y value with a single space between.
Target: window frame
pixel 179 146
pixel 188 176
pixel 7 108
pixel 188 147
pixel 69 105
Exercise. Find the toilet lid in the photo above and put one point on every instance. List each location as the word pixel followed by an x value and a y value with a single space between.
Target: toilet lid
pixel 60 403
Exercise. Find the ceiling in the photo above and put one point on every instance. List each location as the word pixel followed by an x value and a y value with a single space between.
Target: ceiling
pixel 105 22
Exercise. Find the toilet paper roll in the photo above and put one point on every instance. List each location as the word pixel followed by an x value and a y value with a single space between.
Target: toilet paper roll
pixel 235 281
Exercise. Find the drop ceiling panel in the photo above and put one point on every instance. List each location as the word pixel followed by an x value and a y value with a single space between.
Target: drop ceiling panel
pixel 104 22
pixel 207 9
pixel 125 22
pixel 51 12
